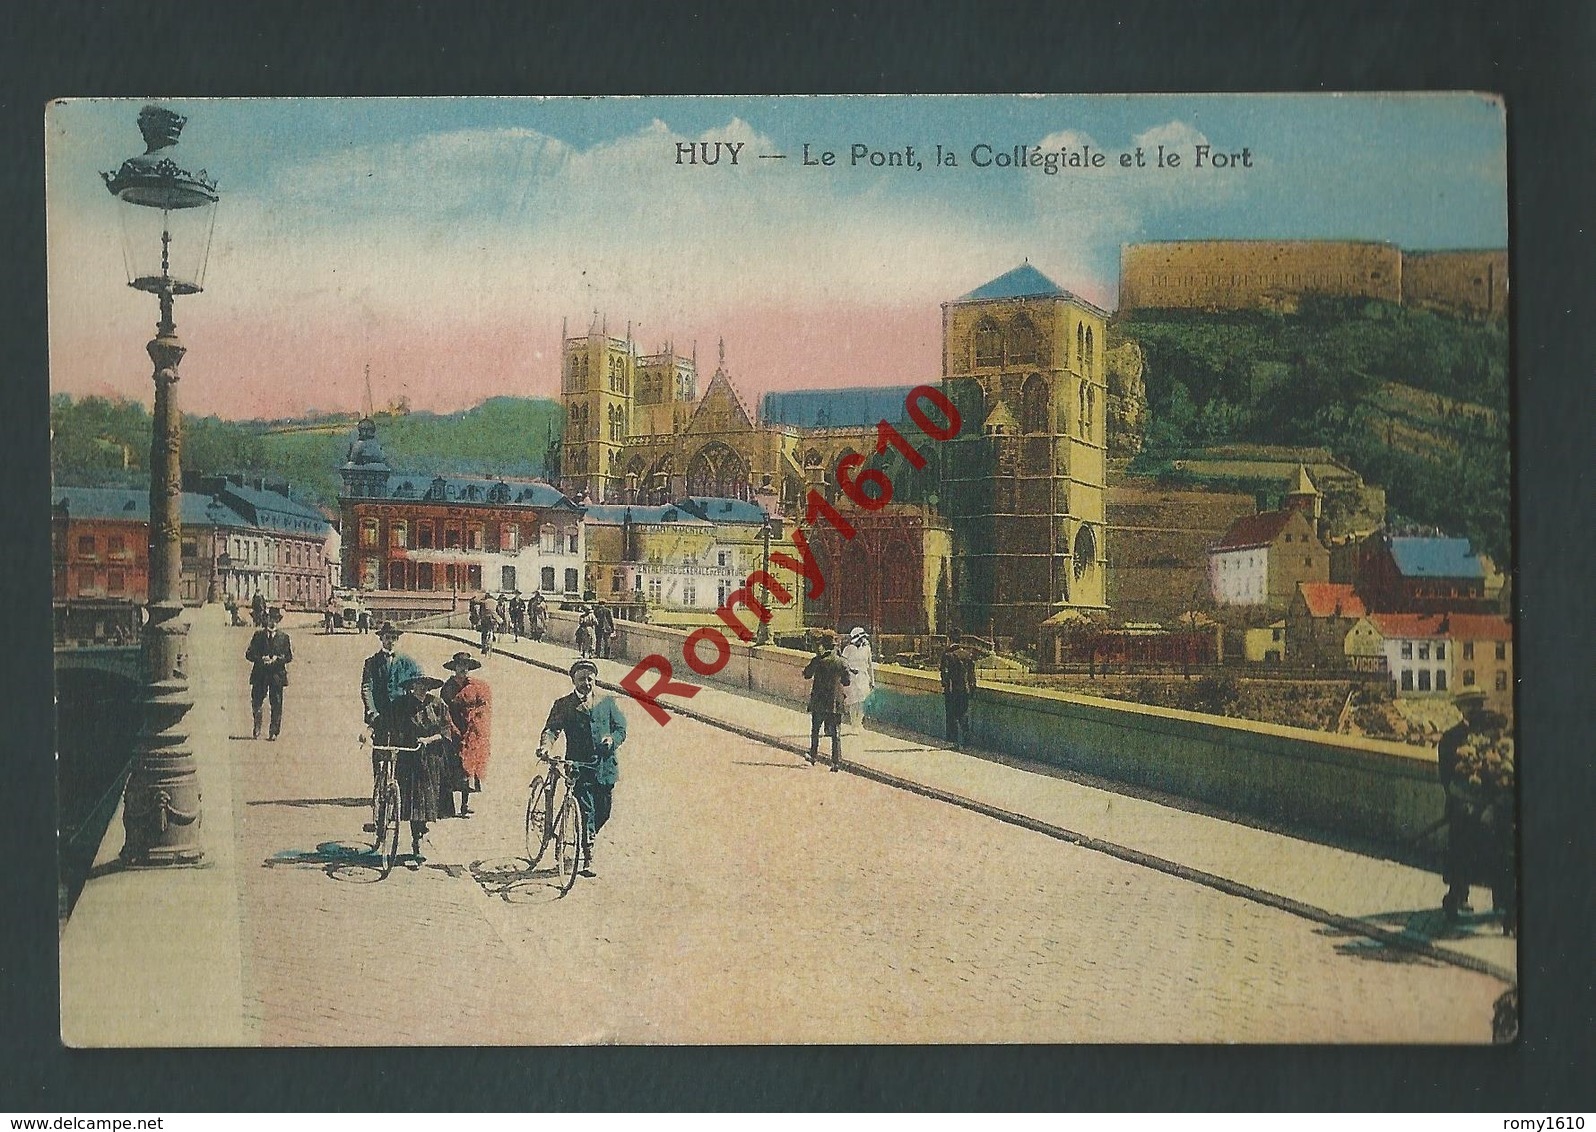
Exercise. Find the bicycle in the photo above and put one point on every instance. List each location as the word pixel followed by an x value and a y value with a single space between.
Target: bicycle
pixel 553 815
pixel 385 804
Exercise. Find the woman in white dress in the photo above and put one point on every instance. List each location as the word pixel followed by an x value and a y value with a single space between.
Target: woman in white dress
pixel 860 659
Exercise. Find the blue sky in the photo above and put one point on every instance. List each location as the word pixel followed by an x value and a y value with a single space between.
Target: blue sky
pixel 343 220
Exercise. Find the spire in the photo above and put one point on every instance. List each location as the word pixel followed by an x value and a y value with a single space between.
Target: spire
pixel 368 391
pixel 722 365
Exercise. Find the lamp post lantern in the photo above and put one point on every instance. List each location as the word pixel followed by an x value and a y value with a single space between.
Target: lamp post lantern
pixel 167 216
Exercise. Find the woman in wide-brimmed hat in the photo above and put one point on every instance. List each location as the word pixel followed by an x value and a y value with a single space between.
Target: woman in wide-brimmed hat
pixel 861 661
pixel 470 704
pixel 418 719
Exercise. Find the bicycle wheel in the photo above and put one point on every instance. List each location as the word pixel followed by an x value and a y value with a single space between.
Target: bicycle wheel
pixel 537 823
pixel 568 834
pixel 388 828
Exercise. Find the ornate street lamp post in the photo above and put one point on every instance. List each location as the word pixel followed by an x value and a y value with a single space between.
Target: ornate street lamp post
pixel 766 533
pixel 167 217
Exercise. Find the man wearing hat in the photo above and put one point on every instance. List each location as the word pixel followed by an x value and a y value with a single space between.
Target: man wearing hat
pixel 270 652
pixel 1479 831
pixel 594 730
pixel 470 707
pixel 418 718
pixel 604 626
pixel 828 676
pixel 382 681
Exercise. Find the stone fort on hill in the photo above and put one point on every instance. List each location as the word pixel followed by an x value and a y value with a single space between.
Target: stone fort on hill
pixel 1217 275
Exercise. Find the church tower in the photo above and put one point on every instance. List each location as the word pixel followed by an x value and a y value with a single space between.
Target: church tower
pixel 1023 482
pixel 597 389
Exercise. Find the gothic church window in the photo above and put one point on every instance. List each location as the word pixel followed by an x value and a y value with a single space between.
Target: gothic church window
pixel 1022 341
pixel 988 343
pixel 1033 404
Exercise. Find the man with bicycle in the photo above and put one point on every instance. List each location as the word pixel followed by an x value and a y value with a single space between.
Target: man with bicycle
pixel 382 683
pixel 594 730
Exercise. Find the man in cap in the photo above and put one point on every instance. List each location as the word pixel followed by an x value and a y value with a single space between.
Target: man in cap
pixel 594 730
pixel 828 676
pixel 270 652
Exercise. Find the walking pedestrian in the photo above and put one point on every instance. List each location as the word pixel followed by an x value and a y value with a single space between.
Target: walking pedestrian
pixel 331 615
pixel 257 610
pixel 586 632
pixel 604 627
pixel 418 718
pixel 594 729
pixel 501 609
pixel 518 615
pixel 828 676
pixel 861 661
pixel 470 705
pixel 362 616
pixel 958 682
pixel 538 615
pixel 1474 762
pixel 270 652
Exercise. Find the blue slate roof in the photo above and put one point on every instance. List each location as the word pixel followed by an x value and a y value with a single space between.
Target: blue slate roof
pixel 272 509
pixel 1024 282
pixel 718 510
pixel 1436 558
pixel 133 503
pixel 857 407
pixel 476 489
pixel 614 514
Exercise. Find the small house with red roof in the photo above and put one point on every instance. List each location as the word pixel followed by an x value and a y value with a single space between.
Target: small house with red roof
pixel 1318 620
pixel 1262 558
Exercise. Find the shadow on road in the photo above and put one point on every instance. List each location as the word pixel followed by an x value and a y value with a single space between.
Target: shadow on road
pixel 1421 925
pixel 510 880
pixel 352 862
pixel 305 803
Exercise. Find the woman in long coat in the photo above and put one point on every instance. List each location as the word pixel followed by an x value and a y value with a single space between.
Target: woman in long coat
pixel 418 717
pixel 470 705
pixel 861 661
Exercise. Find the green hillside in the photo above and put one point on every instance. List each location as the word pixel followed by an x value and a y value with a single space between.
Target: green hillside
pixel 100 441
pixel 1413 400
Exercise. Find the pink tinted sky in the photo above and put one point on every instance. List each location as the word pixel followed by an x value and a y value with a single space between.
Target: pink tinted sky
pixel 443 241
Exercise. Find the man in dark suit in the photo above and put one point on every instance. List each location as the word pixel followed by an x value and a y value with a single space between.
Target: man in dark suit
pixel 828 676
pixel 270 652
pixel 594 730
pixel 383 679
pixel 958 681
pixel 606 627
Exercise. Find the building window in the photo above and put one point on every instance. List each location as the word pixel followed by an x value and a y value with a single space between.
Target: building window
pixel 1440 679
pixel 1468 650
pixel 1501 650
pixel 115 544
pixel 1440 650
pixel 424 534
pixel 722 558
pixel 424 576
pixel 572 582
pixel 1424 650
pixel 655 589
pixel 190 548
pixel 1406 651
pixel 570 542
pixel 546 541
pixel 368 532
pixel 617 581
pixel 1407 679
pixel 398 534
pixel 507 578
pixel 721 589
pixel 113 581
pixel 1501 681
pixel 85 544
pixel 1424 679
pixel 690 592
pixel 510 537
pixel 474 537
pixel 1468 677
pixel 547 580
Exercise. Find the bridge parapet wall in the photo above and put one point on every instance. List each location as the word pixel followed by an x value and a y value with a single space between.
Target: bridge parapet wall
pixel 1292 777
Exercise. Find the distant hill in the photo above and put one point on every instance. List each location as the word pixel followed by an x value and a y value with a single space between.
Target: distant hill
pixel 100 441
pixel 1415 400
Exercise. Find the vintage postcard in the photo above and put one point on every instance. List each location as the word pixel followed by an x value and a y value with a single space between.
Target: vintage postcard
pixel 783 570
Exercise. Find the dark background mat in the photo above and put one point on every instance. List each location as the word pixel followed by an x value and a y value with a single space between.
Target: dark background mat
pixel 1538 55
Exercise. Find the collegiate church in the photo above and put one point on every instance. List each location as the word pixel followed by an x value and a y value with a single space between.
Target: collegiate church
pixel 1021 485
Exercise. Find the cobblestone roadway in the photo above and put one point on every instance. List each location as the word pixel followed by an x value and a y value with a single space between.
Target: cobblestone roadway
pixel 745 898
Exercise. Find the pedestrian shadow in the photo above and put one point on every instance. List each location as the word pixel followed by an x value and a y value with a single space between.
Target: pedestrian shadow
pixel 1415 926
pixel 780 766
pixel 306 803
pixel 351 862
pixel 509 879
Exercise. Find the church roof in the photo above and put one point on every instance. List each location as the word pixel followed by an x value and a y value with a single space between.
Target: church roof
pixel 718 509
pixel 1024 282
pixel 854 407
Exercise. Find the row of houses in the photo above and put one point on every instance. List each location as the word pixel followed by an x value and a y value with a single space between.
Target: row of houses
pixel 241 536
